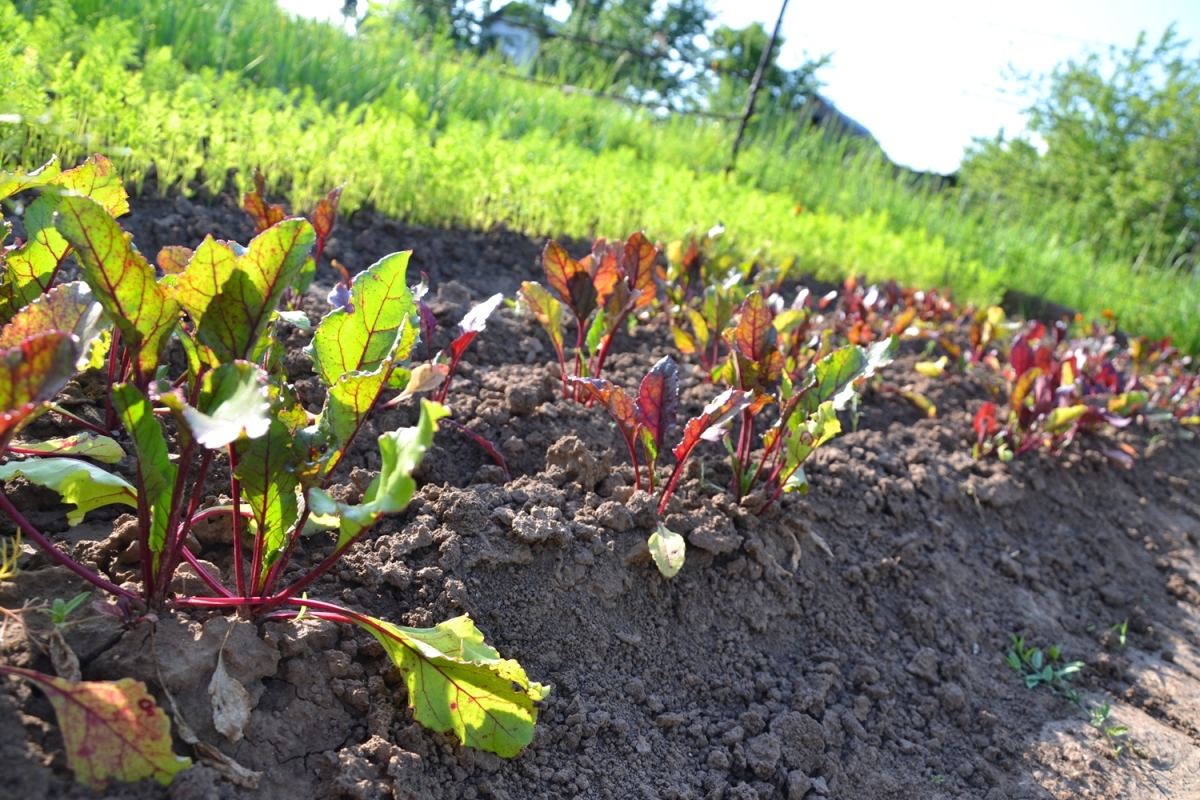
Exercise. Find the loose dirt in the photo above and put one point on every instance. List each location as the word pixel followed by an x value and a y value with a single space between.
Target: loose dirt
pixel 849 644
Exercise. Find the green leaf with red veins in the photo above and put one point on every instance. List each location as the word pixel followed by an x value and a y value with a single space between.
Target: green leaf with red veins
pixel 111 730
pixel 658 400
pixel 173 260
pixel 400 453
pixel 207 270
pixel 638 264
pixel 325 214
pixel 803 437
pixel 30 268
pixel 144 312
pixel 99 448
pixel 457 683
pixel 80 484
pixel 233 404
pixel 269 486
pixel 235 322
pixel 360 340
pixel 97 178
pixel 70 308
pixel 30 375
pixel 833 377
pixel 546 310
pixel 714 416
pixel 13 182
pixel 156 473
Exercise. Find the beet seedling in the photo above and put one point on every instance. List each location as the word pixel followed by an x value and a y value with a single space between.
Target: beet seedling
pixel 601 290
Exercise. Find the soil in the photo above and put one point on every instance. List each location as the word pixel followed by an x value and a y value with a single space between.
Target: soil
pixel 848 644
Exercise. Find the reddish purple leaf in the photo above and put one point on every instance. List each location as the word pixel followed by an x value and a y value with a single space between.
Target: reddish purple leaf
pixel 324 215
pixel 658 399
pixel 567 277
pixel 754 335
pixel 616 402
pixel 638 265
pixel 1021 357
pixel 985 422
pixel 715 414
pixel 255 204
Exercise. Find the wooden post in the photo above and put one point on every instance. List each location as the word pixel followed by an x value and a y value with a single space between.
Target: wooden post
pixel 755 84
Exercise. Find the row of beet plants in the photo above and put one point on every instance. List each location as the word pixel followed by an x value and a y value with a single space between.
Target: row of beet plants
pixel 231 403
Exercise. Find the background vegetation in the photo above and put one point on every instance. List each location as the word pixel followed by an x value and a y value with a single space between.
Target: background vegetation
pixel 425 128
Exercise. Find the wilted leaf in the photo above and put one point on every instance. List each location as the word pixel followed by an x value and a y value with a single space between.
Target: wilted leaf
pixel 79 483
pixel 62 657
pixel 456 683
pixel 144 312
pixel 230 702
pixel 94 446
pixel 400 453
pixel 111 730
pixel 668 549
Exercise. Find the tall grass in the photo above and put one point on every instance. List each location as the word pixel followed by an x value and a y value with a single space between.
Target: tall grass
pixel 441 138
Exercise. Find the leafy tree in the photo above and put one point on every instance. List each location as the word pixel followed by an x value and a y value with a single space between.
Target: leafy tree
pixel 1120 169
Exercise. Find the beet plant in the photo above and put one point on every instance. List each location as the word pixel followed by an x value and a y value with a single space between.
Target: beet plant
pixel 232 402
pixel 602 291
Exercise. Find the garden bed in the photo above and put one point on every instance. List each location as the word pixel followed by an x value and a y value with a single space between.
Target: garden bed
pixel 848 643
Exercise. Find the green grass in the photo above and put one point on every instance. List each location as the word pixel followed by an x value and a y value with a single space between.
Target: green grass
pixel 421 136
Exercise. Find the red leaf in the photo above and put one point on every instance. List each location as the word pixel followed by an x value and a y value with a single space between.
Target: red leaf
pixel 325 214
pixel 619 405
pixel 174 259
pixel 605 273
pixel 570 279
pixel 658 399
pixel 715 414
pixel 1021 357
pixel 255 204
pixel 638 264
pixel 985 421
pixel 754 336
pixel 32 373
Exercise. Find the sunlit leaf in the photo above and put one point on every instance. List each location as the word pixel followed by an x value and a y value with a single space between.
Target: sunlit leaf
pixel 111 730
pixel 173 260
pixel 84 486
pixel 255 204
pixel 234 323
pixel 457 683
pixel 143 311
pixel 658 400
pixel 269 483
pixel 668 549
pixel 70 308
pixel 803 437
pixel 1061 419
pixel 325 214
pixel 361 339
pixel 638 264
pixel 546 310
pixel 714 415
pixel 31 373
pixel 91 445
pixel 835 375
pixel 232 403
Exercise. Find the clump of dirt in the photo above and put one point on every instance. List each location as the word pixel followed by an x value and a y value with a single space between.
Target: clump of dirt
pixel 849 643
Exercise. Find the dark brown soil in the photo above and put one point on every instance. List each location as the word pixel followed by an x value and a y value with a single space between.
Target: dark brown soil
pixel 848 645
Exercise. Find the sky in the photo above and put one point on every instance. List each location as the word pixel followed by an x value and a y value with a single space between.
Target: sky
pixel 928 76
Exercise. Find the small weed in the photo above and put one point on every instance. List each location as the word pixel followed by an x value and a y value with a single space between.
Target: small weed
pixel 1112 733
pixel 60 609
pixel 1043 668
pixel 1121 629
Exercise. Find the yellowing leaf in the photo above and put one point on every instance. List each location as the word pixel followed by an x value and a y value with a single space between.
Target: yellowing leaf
pixel 458 683
pixel 932 369
pixel 94 446
pixel 110 730
pixel 668 550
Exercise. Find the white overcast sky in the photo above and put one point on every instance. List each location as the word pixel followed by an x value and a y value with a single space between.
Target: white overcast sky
pixel 926 76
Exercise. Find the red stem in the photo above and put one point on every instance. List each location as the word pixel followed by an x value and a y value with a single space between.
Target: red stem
pixel 669 489
pixel 239 571
pixel 62 558
pixel 110 414
pixel 80 420
pixel 205 576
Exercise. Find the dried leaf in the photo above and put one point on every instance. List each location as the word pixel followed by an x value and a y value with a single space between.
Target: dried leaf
pixel 66 663
pixel 230 702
